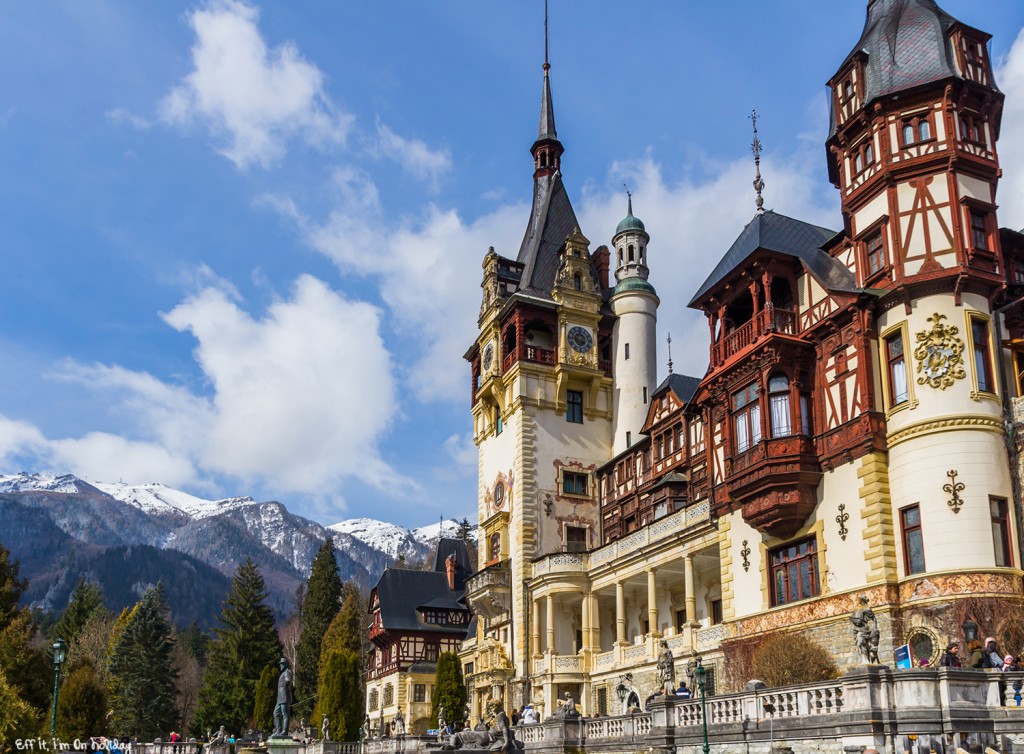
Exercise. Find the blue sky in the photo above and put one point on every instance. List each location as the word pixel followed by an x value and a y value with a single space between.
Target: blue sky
pixel 241 242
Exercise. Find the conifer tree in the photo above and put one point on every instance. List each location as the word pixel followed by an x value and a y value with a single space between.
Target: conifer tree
pixel 25 666
pixel 321 603
pixel 86 599
pixel 347 630
pixel 339 694
pixel 450 690
pixel 266 699
pixel 11 587
pixel 141 672
pixel 18 720
pixel 246 643
pixel 82 709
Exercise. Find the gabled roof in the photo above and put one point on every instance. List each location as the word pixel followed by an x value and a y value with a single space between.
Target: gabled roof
pixel 906 44
pixel 552 219
pixel 783 235
pixel 402 590
pixel 682 385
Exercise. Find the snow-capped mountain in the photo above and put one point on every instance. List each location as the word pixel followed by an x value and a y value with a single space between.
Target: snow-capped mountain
pixel 95 529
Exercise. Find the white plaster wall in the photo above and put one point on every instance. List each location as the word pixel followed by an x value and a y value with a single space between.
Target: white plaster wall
pixel 870 212
pixel 974 188
pixel 637 314
pixel 746 584
pixel 847 567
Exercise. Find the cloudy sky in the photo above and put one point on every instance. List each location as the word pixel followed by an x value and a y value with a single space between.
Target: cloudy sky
pixel 241 242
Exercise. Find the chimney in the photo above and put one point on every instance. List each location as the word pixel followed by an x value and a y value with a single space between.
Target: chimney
pixel 450 568
pixel 601 259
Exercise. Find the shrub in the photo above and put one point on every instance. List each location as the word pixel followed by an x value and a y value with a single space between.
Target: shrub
pixel 787 659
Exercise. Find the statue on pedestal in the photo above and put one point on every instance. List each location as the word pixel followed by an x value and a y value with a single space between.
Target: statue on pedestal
pixel 666 669
pixel 325 729
pixel 282 712
pixel 865 631
pixel 399 724
pixel 567 708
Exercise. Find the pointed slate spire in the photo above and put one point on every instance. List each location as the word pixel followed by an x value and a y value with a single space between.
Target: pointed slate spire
pixel 547 150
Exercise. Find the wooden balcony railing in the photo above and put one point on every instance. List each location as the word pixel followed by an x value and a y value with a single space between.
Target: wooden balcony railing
pixel 769 320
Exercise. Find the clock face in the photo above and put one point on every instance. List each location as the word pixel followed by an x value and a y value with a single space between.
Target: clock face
pixel 580 339
pixel 499 495
pixel 488 356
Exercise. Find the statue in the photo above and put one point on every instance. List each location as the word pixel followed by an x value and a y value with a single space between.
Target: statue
pixel 666 669
pixel 366 729
pixel 325 729
pixel 865 631
pixel 221 739
pixel 282 712
pixel 498 738
pixel 567 709
pixel 441 722
pixel 399 724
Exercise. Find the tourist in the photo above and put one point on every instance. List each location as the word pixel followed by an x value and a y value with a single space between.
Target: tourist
pixel 683 691
pixel 995 657
pixel 515 716
pixel 1010 664
pixel 529 716
pixel 951 657
pixel 976 657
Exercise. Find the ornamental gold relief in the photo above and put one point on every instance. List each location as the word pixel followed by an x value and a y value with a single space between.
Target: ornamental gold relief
pixel 939 354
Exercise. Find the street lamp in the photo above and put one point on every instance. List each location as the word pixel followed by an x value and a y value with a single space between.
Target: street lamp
pixel 60 653
pixel 622 690
pixel 970 629
pixel 702 682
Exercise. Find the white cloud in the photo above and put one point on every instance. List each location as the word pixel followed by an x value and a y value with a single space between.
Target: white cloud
pixel 120 116
pixel 415 157
pixel 256 97
pixel 1010 78
pixel 300 401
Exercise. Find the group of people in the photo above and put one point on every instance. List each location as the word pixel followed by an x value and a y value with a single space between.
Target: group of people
pixel 525 715
pixel 979 656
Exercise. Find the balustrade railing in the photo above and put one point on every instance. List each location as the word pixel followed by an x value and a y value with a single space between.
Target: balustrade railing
pixel 768 320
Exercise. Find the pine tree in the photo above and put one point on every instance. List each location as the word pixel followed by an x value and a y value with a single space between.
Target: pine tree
pixel 11 587
pixel 464 530
pixel 25 666
pixel 348 627
pixel 141 672
pixel 82 709
pixel 18 720
pixel 266 699
pixel 86 599
pixel 339 694
pixel 450 690
pixel 321 604
pixel 246 643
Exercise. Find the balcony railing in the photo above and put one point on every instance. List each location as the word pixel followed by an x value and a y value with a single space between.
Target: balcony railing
pixel 769 320
pixel 529 353
pixel 493 576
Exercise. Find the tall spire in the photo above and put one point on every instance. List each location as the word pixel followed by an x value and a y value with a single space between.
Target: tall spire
pixel 670 353
pixel 547 150
pixel 756 147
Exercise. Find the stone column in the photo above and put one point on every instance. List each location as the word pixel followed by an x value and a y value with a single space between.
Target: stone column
pixel 550 606
pixel 535 628
pixel 691 598
pixel 585 622
pixel 620 614
pixel 652 604
pixel 595 623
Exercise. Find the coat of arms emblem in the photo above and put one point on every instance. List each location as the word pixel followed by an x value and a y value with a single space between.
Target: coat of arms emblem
pixel 939 354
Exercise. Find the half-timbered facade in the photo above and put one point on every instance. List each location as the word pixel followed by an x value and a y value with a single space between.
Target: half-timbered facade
pixel 415 616
pixel 849 436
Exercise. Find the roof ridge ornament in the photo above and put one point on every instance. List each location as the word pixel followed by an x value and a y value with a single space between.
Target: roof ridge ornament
pixel 756 147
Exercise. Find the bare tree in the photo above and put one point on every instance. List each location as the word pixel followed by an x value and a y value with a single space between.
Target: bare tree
pixel 290 631
pixel 190 680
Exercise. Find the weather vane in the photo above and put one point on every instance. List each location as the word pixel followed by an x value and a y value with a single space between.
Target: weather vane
pixel 756 146
pixel 670 353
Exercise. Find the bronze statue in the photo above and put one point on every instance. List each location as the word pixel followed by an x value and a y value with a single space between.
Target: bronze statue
pixel 282 712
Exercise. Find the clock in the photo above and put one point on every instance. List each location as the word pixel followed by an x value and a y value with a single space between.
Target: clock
pixel 488 356
pixel 499 494
pixel 580 339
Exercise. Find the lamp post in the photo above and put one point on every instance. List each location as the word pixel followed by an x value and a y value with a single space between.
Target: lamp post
pixel 60 653
pixel 702 682
pixel 622 690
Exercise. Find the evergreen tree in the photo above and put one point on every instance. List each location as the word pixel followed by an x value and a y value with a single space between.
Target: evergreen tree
pixel 246 643
pixel 321 604
pixel 142 674
pixel 11 587
pixel 24 664
pixel 339 694
pixel 450 690
pixel 347 629
pixel 82 709
pixel 18 720
pixel 86 599
pixel 464 530
pixel 266 699
pixel 194 642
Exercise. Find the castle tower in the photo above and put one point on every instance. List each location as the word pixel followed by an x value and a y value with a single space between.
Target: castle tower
pixel 634 339
pixel 912 149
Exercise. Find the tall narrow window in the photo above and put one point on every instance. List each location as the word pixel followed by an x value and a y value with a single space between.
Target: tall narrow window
pixel 908 134
pixel 913 542
pixel 576 282
pixel 1000 532
pixel 574 406
pixel 794 572
pixel 897 369
pixel 627 352
pixel 629 439
pixel 979 230
pixel 575 539
pixel 875 253
pixel 778 401
pixel 499 425
pixel 645 396
pixel 805 414
pixel 982 354
pixel 746 417
pixel 924 130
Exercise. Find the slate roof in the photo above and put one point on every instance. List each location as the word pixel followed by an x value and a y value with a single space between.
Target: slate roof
pixel 907 45
pixel 682 385
pixel 783 235
pixel 552 219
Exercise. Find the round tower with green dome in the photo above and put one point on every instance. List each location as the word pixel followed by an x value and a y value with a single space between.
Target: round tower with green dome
pixel 634 337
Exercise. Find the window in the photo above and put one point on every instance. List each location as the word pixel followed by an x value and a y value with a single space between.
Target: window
pixel 627 352
pixel 970 128
pixel 574 406
pixel 875 254
pixel 499 425
pixel 805 414
pixel 419 692
pixel 574 483
pixel 913 543
pixel 916 130
pixel 794 572
pixel 389 695
pixel 373 698
pixel 778 402
pixel 863 156
pixel 494 546
pixel 979 230
pixel 430 652
pixel 680 619
pixel 1000 532
pixel 982 354
pixel 645 396
pixel 575 539
pixel 577 284
pixel 746 417
pixel 632 257
pixel 602 700
pixel 924 131
pixel 908 133
pixel 629 439
pixel 716 612
pixel 897 369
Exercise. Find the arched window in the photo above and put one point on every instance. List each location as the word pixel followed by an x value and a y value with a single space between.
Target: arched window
pixel 778 402
pixel 746 417
pixel 642 250
pixel 631 256
pixel 858 163
pixel 576 283
pixel 869 154
pixel 908 133
pixel 924 130
pixel 620 257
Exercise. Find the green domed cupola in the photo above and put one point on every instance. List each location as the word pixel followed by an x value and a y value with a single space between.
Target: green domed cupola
pixel 630 222
pixel 630 242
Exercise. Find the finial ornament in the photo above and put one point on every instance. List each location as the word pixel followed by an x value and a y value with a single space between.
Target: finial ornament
pixel 756 146
pixel 547 63
pixel 670 353
pixel 629 202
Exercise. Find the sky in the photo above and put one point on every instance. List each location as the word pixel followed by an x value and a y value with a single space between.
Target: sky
pixel 241 242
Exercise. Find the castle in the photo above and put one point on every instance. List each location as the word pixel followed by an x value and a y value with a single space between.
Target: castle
pixel 849 439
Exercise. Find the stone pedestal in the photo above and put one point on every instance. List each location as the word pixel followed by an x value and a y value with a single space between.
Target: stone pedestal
pixel 284 746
